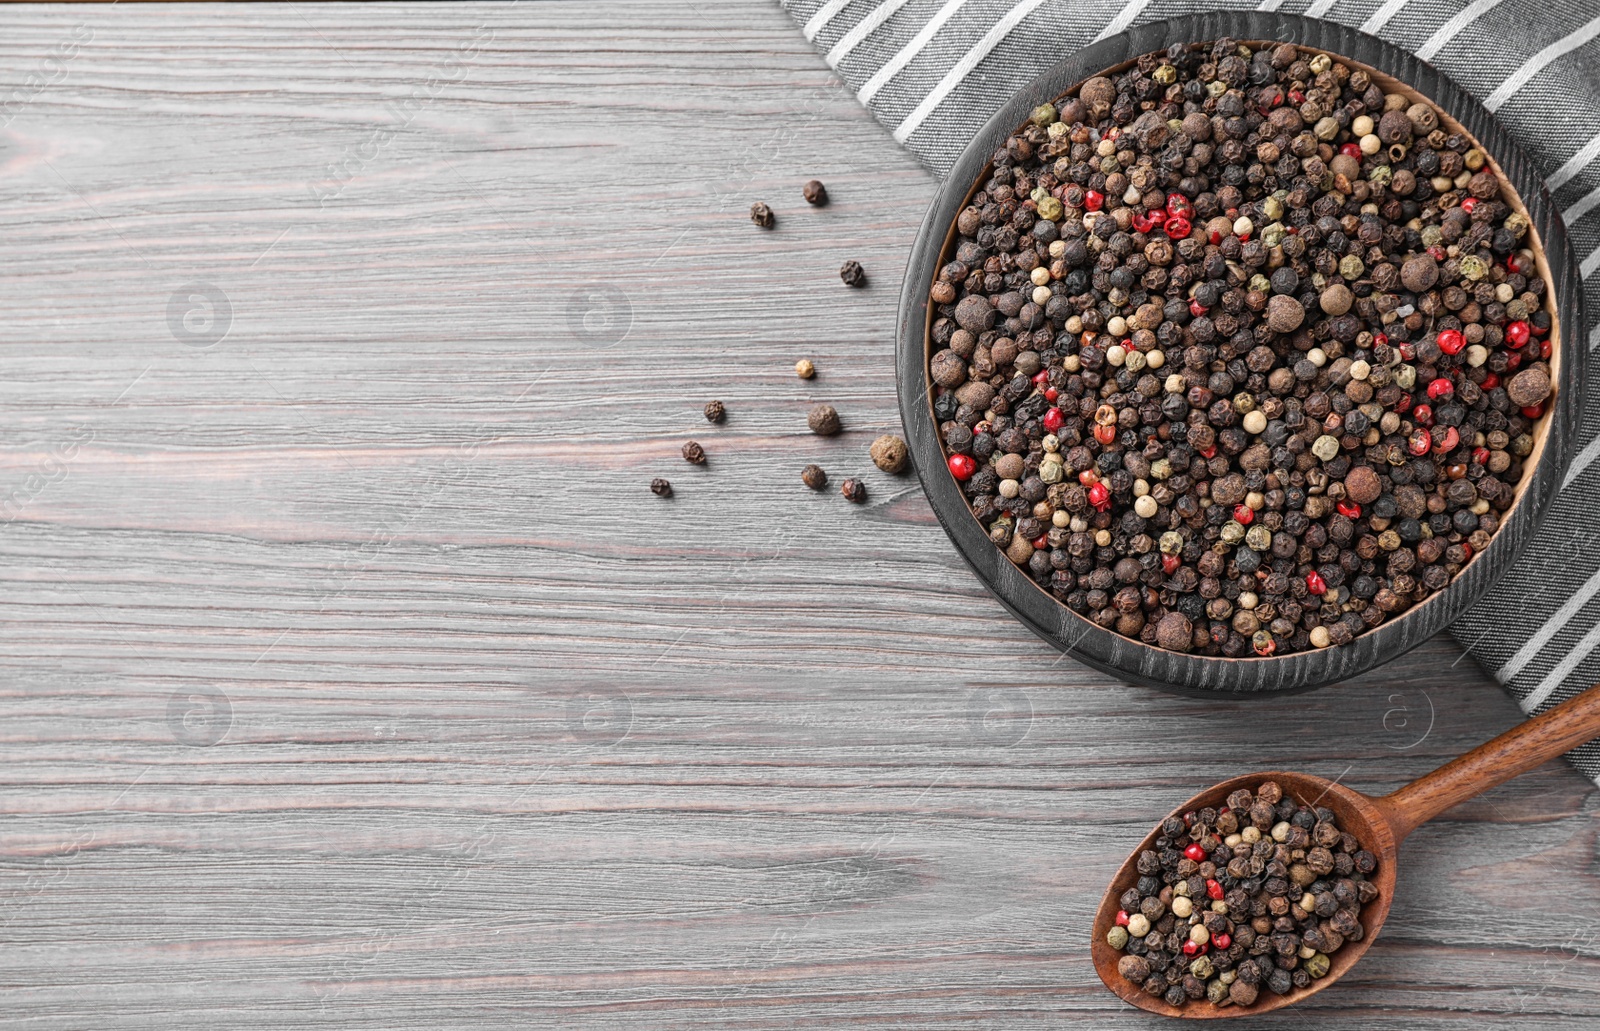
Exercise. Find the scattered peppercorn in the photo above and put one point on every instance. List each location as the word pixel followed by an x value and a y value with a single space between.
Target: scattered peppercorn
pixel 815 193
pixel 853 274
pixel 693 453
pixel 824 421
pixel 804 369
pixel 661 488
pixel 889 453
pixel 1231 901
pixel 715 412
pixel 814 477
pixel 1236 354
pixel 762 215
pixel 853 490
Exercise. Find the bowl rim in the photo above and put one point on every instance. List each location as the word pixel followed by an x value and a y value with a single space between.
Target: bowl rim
pixel 1133 660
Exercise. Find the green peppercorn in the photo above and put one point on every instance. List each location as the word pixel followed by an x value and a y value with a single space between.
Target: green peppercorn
pixel 1117 937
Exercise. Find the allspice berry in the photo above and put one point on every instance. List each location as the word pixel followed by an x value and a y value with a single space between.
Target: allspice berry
pixel 1419 273
pixel 889 453
pixel 814 477
pixel 853 274
pixel 1362 485
pixel 804 369
pixel 762 215
pixel 824 421
pixel 1529 387
pixel 1336 299
pixel 715 412
pixel 815 193
pixel 1284 314
pixel 853 490
pixel 1175 632
pixel 661 488
pixel 694 454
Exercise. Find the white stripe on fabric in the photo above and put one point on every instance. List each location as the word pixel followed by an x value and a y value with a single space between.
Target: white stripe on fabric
pixel 824 15
pixel 1575 164
pixel 1382 15
pixel 913 47
pixel 963 67
pixel 1581 207
pixel 866 27
pixel 1594 338
pixel 1541 637
pixel 1590 263
pixel 1539 62
pixel 1452 28
pixel 1270 5
pixel 1320 8
pixel 1561 670
pixel 1585 459
pixel 1123 19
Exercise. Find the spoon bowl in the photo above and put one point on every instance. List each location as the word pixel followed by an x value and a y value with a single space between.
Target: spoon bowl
pixel 1357 814
pixel 1379 824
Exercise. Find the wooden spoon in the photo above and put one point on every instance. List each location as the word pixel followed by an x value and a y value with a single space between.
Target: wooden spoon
pixel 1380 824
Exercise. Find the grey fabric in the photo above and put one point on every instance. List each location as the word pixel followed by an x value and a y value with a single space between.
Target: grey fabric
pixel 1536 64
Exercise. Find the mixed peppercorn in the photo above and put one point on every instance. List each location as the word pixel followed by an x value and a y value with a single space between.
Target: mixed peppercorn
pixel 1237 354
pixel 1255 896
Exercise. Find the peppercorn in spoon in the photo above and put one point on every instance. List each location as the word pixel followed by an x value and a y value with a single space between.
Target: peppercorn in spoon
pixel 1341 876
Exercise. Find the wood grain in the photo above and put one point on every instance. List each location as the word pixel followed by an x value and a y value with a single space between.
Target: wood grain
pixel 353 678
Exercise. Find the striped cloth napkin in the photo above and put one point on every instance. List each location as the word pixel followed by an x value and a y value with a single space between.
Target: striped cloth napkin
pixel 934 71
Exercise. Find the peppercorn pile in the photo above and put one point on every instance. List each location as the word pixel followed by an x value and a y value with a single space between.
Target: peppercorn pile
pixel 1235 353
pixel 1252 897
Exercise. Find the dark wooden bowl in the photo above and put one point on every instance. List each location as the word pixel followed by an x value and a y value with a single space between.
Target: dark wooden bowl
pixel 1555 440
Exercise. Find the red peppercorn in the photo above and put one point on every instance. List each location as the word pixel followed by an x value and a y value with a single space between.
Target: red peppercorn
pixel 1420 443
pixel 1050 394
pixel 1041 377
pixel 1100 497
pixel 1195 852
pixel 1533 411
pixel 1381 339
pixel 1296 97
pixel 963 466
pixel 1517 333
pixel 1451 341
pixel 1244 515
pixel 1438 253
pixel 1244 237
pixel 1351 150
pixel 1094 200
pixel 1264 643
pixel 1122 918
pixel 1170 564
pixel 1216 237
pixel 1209 453
pixel 1179 205
pixel 1423 416
pixel 1449 442
pixel 1467 548
pixel 1214 889
pixel 1191 947
pixel 1105 434
pixel 1177 227
pixel 1512 264
pixel 1469 204
pixel 1143 223
pixel 1053 419
pixel 1513 361
pixel 1088 477
pixel 1441 387
pixel 1480 455
pixel 1544 349
pixel 1315 584
pixel 1222 940
pixel 1039 542
pixel 1349 509
pixel 1490 382
pixel 1195 307
pixel 1403 405
pixel 1407 352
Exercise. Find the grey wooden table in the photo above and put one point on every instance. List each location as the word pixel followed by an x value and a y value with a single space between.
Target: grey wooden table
pixel 353 677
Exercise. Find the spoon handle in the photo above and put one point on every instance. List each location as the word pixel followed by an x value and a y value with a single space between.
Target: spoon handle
pixel 1518 750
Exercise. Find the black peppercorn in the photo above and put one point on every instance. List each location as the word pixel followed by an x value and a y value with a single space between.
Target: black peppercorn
pixel 661 488
pixel 853 274
pixel 693 453
pixel 715 412
pixel 762 215
pixel 815 193
pixel 853 490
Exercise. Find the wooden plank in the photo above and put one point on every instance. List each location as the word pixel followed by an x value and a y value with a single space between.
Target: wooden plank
pixel 354 678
